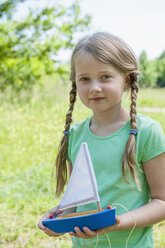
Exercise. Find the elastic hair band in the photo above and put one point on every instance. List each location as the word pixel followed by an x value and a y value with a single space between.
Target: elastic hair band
pixel 66 132
pixel 133 131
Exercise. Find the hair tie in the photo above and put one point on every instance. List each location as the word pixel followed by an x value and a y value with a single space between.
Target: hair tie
pixel 133 131
pixel 66 132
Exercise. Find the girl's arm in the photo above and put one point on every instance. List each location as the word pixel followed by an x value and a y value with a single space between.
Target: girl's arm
pixel 149 214
pixel 154 211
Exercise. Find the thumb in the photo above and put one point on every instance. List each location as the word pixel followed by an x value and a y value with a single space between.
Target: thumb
pixel 117 220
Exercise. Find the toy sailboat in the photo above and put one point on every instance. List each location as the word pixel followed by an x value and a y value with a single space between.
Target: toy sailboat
pixel 81 189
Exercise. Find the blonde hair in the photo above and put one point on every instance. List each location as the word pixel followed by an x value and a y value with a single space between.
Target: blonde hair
pixel 108 49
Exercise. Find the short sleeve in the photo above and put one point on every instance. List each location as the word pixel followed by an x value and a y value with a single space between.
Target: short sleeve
pixel 154 143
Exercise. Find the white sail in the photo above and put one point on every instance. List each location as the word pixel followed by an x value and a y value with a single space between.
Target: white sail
pixel 82 186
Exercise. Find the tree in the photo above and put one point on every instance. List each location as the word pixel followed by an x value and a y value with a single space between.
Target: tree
pixel 148 70
pixel 161 70
pixel 29 47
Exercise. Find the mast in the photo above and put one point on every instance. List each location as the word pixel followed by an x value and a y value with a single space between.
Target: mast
pixel 99 207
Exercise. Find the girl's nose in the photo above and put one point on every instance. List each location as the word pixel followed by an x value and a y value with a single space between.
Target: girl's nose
pixel 95 86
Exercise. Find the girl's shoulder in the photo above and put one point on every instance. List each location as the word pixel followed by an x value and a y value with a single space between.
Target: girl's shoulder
pixel 77 127
pixel 149 130
pixel 145 122
pixel 150 140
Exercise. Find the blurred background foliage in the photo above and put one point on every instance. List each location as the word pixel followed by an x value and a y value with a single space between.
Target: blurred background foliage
pixel 30 45
pixel 153 71
pixel 34 90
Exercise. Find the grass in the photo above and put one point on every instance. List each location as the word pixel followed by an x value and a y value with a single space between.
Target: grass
pixel 29 136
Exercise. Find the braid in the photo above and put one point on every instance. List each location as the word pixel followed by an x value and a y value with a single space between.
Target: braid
pixel 61 167
pixel 128 161
pixel 134 91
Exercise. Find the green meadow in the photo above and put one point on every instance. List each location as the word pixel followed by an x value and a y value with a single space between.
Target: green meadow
pixel 30 131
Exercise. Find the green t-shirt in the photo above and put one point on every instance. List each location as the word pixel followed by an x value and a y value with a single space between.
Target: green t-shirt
pixel 106 155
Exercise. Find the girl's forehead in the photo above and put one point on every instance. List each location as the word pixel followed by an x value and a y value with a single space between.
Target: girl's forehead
pixel 86 63
pixel 83 60
pixel 85 57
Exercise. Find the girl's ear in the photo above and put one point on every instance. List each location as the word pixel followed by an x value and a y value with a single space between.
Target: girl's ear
pixel 127 82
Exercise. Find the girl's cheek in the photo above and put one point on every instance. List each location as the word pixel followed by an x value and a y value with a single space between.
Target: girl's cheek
pixel 82 90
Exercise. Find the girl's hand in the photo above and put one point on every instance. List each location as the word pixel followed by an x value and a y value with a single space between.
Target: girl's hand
pixel 88 234
pixel 53 212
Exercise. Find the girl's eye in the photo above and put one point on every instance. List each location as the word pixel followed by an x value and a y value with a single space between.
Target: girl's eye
pixel 104 77
pixel 84 79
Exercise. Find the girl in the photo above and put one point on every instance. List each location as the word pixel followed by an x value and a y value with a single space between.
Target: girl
pixel 127 149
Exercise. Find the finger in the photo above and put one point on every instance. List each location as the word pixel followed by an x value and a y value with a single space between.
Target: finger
pixel 89 232
pixel 41 226
pixel 80 234
pixel 46 216
pixel 57 212
pixel 51 233
pixel 72 234
pixel 53 210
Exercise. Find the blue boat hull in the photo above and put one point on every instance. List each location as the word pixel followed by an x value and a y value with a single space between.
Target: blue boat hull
pixel 92 221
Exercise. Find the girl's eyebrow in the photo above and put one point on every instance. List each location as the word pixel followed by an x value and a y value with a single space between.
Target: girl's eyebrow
pixel 82 74
pixel 108 71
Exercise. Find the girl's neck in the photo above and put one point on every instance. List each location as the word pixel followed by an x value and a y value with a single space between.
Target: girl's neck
pixel 104 119
pixel 105 124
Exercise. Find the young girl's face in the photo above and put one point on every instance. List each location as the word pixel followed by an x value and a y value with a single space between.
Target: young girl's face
pixel 100 86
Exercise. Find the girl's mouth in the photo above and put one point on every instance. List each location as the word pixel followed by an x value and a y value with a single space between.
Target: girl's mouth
pixel 97 99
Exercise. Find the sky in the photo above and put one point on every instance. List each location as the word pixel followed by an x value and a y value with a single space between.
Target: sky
pixel 140 23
